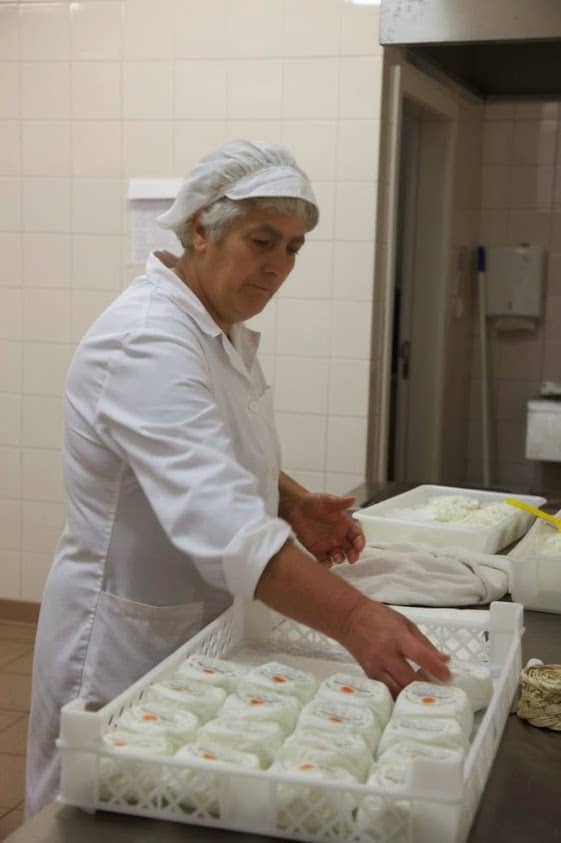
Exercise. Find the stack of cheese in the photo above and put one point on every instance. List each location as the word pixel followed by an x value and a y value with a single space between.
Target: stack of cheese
pixel 430 720
pixel 335 738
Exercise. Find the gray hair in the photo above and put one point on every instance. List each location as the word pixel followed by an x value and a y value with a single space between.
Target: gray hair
pixel 218 217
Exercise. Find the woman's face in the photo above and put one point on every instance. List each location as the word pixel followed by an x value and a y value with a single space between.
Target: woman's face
pixel 236 276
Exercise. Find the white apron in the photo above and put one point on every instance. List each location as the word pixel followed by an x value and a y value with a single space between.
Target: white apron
pixel 171 466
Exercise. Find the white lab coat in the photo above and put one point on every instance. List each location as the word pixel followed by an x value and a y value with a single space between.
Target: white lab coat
pixel 171 467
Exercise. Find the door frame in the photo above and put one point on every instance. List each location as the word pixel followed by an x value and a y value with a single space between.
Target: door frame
pixel 406 82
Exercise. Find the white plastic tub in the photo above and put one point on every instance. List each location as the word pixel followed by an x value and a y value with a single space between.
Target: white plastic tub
pixel 535 578
pixel 441 798
pixel 399 519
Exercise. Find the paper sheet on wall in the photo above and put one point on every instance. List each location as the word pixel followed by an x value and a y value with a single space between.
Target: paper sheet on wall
pixel 145 233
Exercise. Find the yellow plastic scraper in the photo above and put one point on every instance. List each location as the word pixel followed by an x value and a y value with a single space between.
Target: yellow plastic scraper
pixel 551 519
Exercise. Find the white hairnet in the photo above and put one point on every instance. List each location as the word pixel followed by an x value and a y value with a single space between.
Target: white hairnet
pixel 238 169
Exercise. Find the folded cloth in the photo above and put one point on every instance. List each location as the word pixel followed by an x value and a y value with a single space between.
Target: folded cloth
pixel 420 575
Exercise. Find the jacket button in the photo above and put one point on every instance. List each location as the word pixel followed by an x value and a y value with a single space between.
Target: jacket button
pixel 253 406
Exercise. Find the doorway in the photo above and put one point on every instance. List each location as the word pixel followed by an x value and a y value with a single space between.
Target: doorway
pixel 412 395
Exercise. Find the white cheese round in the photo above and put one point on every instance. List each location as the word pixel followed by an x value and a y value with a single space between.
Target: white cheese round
pixel 337 718
pixel 348 688
pixel 203 700
pixel 428 699
pixel 437 731
pixel 252 707
pixel 280 679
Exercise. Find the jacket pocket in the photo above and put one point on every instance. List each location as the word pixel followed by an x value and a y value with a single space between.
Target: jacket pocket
pixel 130 638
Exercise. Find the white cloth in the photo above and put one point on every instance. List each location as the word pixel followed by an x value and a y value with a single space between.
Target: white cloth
pixel 419 575
pixel 171 467
pixel 238 169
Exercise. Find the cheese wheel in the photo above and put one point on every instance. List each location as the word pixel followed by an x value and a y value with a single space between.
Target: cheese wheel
pixel 278 678
pixel 203 700
pixel 303 807
pixel 475 679
pixel 428 699
pixel 178 727
pixel 219 757
pixel 196 789
pixel 211 671
pixel 252 707
pixel 124 777
pixel 337 718
pixel 348 751
pixel 405 752
pixel 437 731
pixel 263 739
pixel 348 688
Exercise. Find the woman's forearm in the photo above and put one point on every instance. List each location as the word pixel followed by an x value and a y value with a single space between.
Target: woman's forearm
pixel 290 493
pixel 296 585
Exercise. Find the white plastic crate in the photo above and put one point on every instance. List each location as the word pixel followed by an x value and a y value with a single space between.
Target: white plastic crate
pixel 399 519
pixel 440 800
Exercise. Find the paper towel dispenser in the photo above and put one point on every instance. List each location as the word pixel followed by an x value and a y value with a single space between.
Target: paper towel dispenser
pixel 514 282
pixel 148 198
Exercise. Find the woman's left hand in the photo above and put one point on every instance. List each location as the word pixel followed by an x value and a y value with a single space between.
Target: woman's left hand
pixel 323 526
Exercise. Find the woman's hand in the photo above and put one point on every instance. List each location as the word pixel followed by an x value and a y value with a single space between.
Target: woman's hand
pixel 323 526
pixel 385 642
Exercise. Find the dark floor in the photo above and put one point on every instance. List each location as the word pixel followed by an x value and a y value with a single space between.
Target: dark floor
pixel 16 652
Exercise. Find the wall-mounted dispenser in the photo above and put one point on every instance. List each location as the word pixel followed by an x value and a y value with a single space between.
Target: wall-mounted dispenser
pixel 514 283
pixel 147 199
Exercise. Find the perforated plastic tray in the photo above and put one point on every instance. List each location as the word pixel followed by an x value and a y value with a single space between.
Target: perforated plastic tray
pixel 400 519
pixel 438 804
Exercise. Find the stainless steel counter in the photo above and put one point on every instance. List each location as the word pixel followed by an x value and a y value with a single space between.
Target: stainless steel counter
pixel 521 802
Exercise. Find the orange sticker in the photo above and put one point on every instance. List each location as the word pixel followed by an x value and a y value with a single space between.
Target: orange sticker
pixel 119 743
pixel 255 701
pixel 150 717
pixel 208 670
pixel 209 756
pixel 335 719
pixel 428 700
pixel 279 679
pixel 346 689
pixel 306 766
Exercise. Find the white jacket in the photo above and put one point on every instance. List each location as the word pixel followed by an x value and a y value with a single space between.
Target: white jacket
pixel 171 469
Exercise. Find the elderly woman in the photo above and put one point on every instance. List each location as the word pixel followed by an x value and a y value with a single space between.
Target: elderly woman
pixel 175 497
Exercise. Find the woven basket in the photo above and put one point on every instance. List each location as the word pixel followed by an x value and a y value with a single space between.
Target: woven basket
pixel 540 700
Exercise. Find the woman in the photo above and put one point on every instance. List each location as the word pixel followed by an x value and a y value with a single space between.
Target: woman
pixel 175 498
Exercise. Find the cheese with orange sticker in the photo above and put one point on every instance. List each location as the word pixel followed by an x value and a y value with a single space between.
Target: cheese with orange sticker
pixel 212 671
pixel 429 699
pixel 179 692
pixel 339 718
pixel 280 679
pixel 358 690
pixel 251 705
pixel 178 727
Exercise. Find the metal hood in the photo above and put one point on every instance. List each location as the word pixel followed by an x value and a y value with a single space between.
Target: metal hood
pixel 493 47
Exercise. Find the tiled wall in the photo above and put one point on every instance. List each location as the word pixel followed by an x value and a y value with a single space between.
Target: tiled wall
pixel 521 201
pixel 94 92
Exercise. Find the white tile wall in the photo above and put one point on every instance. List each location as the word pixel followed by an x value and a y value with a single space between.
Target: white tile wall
pixel 10 366
pixel 10 265
pixel 46 260
pixel 92 93
pixel 10 473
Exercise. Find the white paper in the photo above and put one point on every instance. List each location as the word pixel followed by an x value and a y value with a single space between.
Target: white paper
pixel 145 233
